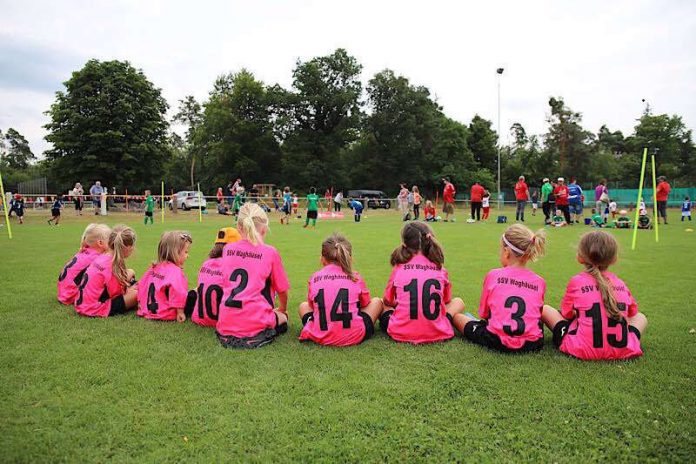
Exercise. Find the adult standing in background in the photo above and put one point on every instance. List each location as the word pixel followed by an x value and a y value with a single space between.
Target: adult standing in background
pixel 448 194
pixel 78 197
pixel 477 192
pixel 96 192
pixel 403 199
pixel 338 201
pixel 601 196
pixel 522 197
pixel 575 200
pixel 561 194
pixel 548 200
pixel 661 195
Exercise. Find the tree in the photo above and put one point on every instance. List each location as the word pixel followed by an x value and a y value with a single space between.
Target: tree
pixel 108 124
pixel 189 114
pixel 567 141
pixel 483 143
pixel 14 150
pixel 235 136
pixel 319 118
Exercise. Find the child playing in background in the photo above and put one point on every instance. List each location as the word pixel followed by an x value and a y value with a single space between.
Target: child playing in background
pixel 287 206
pixel 417 199
pixel 163 288
pixel 429 212
pixel 558 219
pixel 312 207
pixel 512 298
pixel 107 287
pixel 597 220
pixel 418 303
pixel 203 304
pixel 296 206
pixel 357 207
pixel 150 207
pixel 95 241
pixel 18 207
pixel 599 318
pixel 686 209
pixel 535 201
pixel 254 273
pixel 486 203
pixel 338 310
pixel 612 209
pixel 55 210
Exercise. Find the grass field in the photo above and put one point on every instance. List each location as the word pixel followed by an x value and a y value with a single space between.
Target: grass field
pixel 124 389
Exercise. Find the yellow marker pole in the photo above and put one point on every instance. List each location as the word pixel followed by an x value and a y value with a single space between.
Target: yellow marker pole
pixel 657 222
pixel 640 195
pixel 200 204
pixel 5 206
pixel 162 202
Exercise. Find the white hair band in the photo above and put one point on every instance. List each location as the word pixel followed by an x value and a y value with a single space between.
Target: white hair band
pixel 511 246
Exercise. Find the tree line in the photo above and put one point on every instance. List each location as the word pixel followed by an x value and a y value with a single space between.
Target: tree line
pixel 327 130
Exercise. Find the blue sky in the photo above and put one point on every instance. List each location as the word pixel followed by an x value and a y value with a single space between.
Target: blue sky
pixel 601 57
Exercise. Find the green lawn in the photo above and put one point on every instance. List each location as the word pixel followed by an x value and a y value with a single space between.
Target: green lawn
pixel 124 389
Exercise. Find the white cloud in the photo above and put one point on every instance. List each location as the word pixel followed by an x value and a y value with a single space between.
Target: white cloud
pixel 602 57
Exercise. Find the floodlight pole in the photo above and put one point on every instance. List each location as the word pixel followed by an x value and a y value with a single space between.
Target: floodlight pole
pixel 499 71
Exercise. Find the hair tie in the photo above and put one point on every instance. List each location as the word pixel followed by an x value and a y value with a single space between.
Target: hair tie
pixel 511 246
pixel 533 239
pixel 429 236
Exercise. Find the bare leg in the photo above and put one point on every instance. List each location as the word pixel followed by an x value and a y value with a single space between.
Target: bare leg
pixel 304 309
pixel 131 297
pixel 282 317
pixel 639 321
pixel 550 316
pixel 454 307
pixel 373 309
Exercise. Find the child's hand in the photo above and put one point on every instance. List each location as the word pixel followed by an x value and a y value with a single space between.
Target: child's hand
pixel 282 310
pixel 180 316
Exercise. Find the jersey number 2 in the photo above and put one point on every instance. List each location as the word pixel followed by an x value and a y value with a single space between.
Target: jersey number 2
pixel 243 277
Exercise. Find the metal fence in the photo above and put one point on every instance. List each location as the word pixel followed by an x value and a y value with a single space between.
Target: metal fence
pixel 33 187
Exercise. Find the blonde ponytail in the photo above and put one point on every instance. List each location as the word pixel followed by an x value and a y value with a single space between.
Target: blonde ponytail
pixel 525 244
pixel 250 221
pixel 598 250
pixel 94 233
pixel 121 237
pixel 337 250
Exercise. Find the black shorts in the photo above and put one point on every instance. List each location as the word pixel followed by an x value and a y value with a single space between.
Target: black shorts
pixel 55 212
pixel 662 209
pixel 384 320
pixel 312 214
pixel 477 332
pixel 78 205
pixel 287 209
pixel 148 213
pixel 118 306
pixel 562 329
pixel 367 320
pixel 19 213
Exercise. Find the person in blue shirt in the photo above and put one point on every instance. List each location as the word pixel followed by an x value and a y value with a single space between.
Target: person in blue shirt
pixel 575 198
pixel 287 206
pixel 357 208
pixel 55 210
pixel 686 209
pixel 18 207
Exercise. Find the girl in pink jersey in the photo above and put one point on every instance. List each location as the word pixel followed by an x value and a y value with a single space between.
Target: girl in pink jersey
pixel 418 303
pixel 599 318
pixel 253 274
pixel 204 302
pixel 338 310
pixel 95 241
pixel 107 287
pixel 163 288
pixel 512 298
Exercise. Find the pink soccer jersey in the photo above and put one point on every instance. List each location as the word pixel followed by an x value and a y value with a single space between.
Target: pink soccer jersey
pixel 253 275
pixel 512 301
pixel 162 289
pixel 72 273
pixel 419 291
pixel 97 288
pixel 336 301
pixel 591 334
pixel 209 293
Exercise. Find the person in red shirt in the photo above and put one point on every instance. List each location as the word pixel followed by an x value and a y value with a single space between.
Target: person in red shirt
pixel 476 200
pixel 448 199
pixel 661 195
pixel 522 196
pixel 562 201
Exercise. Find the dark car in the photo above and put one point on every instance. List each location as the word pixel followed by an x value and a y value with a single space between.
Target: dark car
pixel 375 198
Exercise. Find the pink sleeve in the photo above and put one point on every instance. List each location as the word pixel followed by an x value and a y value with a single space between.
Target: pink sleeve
pixel 632 304
pixel 484 312
pixel 279 278
pixel 364 298
pixel 114 287
pixel 447 291
pixel 178 291
pixel 567 308
pixel 390 291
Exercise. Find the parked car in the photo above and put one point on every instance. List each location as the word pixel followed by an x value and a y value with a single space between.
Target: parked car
pixel 188 199
pixel 375 198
